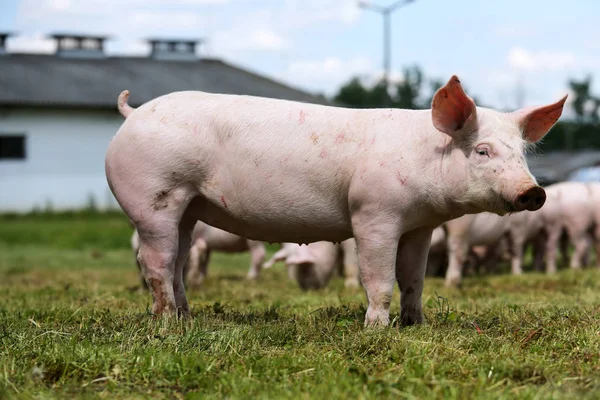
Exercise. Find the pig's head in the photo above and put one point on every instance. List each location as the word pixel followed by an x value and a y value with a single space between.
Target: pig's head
pixel 309 270
pixel 493 145
pixel 302 267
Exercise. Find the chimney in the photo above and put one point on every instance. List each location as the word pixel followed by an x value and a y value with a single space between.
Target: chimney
pixel 3 37
pixel 79 46
pixel 172 49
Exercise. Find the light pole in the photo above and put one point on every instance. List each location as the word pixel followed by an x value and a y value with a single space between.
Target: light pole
pixel 385 12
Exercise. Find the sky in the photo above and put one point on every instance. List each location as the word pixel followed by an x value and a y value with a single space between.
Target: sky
pixel 317 45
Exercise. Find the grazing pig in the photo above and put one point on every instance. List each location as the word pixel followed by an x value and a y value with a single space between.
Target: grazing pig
pixel 525 227
pixel 483 229
pixel 135 246
pixel 437 258
pixel 570 209
pixel 594 188
pixel 283 171
pixel 313 265
pixel 567 216
pixel 206 238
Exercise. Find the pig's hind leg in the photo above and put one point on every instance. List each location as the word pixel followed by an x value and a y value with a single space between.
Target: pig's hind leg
pixel 165 240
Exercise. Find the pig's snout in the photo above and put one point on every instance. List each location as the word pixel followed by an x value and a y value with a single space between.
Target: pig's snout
pixel 531 199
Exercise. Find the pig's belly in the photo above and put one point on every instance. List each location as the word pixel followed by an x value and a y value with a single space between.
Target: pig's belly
pixel 271 217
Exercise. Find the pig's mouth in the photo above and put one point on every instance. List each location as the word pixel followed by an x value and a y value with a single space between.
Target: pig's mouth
pixel 508 206
pixel 503 206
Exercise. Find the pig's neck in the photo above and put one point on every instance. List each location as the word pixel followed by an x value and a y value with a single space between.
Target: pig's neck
pixel 444 173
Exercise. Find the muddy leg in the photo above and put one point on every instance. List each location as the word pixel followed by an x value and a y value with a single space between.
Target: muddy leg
pixel 410 273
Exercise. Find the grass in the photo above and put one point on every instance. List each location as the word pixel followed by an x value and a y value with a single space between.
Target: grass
pixel 72 324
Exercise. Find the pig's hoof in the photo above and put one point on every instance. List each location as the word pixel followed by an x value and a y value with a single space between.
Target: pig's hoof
pixel 351 283
pixel 409 319
pixel 252 276
pixel 194 283
pixel 375 319
pixel 183 313
pixel 453 283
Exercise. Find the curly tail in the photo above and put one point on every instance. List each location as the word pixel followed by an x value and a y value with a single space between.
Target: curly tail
pixel 124 108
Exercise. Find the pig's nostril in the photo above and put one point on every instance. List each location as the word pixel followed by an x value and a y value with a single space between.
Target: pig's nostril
pixel 531 199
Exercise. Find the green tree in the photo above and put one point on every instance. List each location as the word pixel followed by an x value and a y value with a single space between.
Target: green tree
pixel 408 93
pixel 582 97
pixel 354 94
pixel 408 90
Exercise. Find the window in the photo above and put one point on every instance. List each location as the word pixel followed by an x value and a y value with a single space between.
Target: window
pixel 12 147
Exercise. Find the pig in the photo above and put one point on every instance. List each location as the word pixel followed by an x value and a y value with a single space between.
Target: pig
pixel 282 171
pixel 313 265
pixel 286 250
pixel 483 229
pixel 477 256
pixel 594 189
pixel 437 257
pixel 525 227
pixel 135 246
pixel 569 209
pixel 206 238
pixel 567 216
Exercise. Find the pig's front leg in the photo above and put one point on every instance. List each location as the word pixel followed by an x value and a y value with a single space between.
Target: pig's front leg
pixel 257 257
pixel 350 261
pixel 377 243
pixel 410 273
pixel 457 253
pixel 196 271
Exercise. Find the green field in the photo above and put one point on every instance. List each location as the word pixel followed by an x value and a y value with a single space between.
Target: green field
pixel 73 324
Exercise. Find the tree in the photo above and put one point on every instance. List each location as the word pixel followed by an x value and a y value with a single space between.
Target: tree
pixel 582 99
pixel 408 93
pixel 408 90
pixel 353 94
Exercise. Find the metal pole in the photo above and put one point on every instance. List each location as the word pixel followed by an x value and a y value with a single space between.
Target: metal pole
pixel 386 46
pixel 386 13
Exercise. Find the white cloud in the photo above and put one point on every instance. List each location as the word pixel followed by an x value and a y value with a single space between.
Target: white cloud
pixel 238 40
pixel 33 43
pixel 527 60
pixel 60 5
pixel 264 39
pixel 328 73
pixel 299 14
pixel 167 20
pixel 513 31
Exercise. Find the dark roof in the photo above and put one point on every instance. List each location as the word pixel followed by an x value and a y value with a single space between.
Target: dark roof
pixel 556 166
pixel 53 81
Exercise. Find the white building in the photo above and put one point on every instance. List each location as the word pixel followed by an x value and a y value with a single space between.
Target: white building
pixel 58 112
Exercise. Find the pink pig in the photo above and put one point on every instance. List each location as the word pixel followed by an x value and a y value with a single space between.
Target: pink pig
pixel 207 239
pixel 283 171
pixel 313 265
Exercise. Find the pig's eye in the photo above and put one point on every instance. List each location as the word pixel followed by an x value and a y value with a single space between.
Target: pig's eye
pixel 483 150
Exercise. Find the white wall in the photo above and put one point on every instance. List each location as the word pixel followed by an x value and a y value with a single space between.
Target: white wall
pixel 64 162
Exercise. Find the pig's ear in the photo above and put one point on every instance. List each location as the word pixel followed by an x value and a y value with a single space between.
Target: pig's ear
pixel 535 122
pixel 304 257
pixel 452 110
